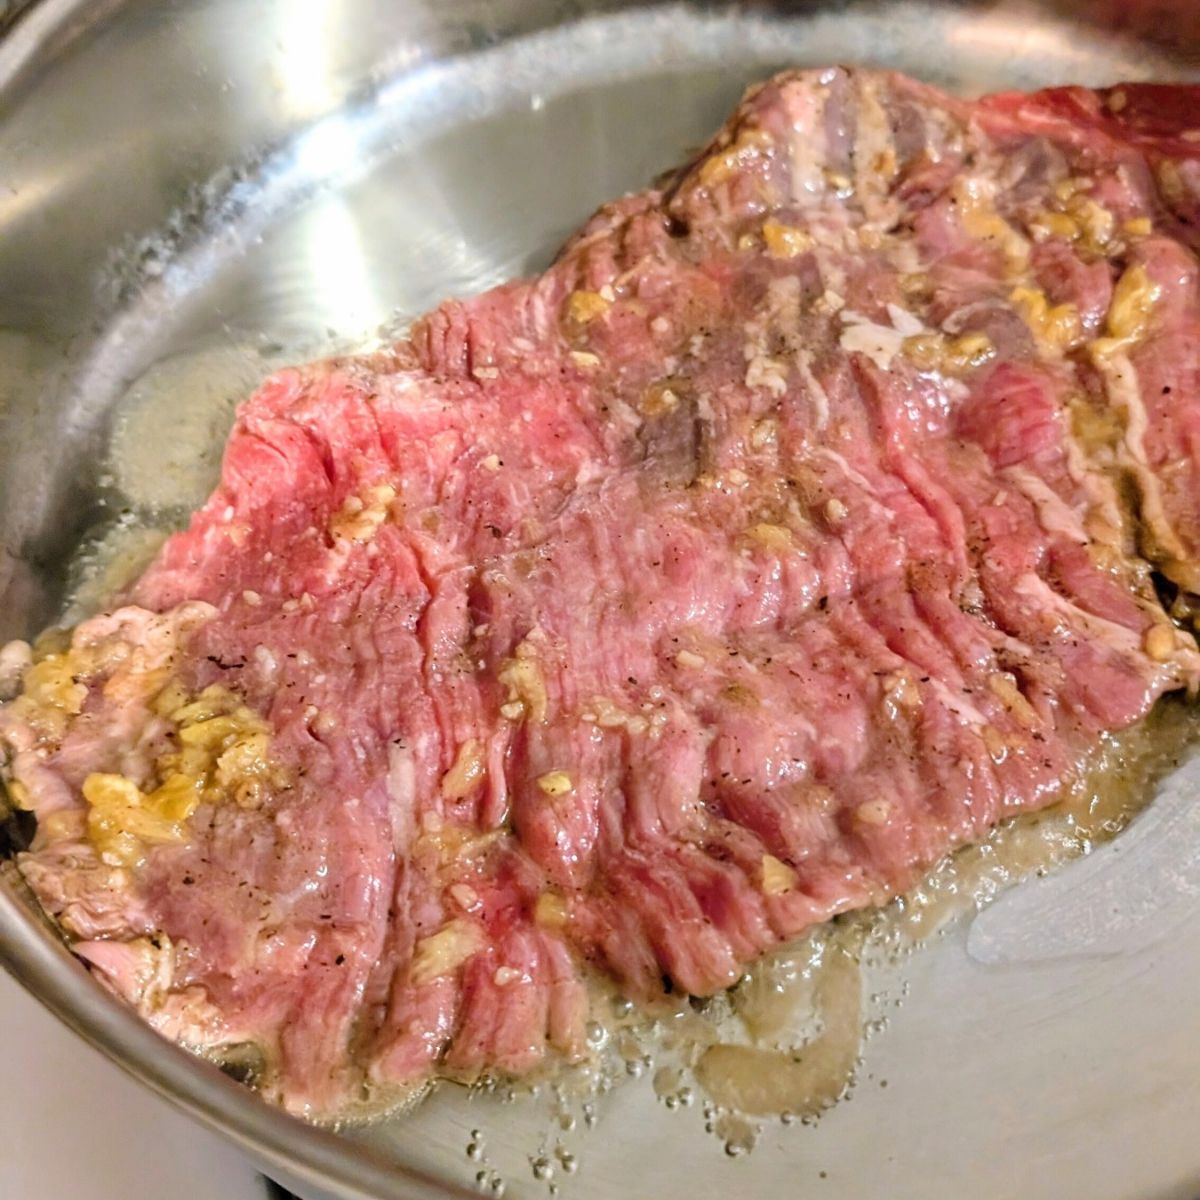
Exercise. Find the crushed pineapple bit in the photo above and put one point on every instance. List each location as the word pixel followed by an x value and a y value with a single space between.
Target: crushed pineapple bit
pixel 947 356
pixel 468 769
pixel 773 537
pixel 361 516
pixel 776 877
pixel 1054 327
pixel 585 360
pixel 522 676
pixel 550 911
pixel 445 951
pixel 1159 642
pixel 584 306
pixel 689 658
pixel 721 165
pixel 785 241
pixel 555 783
pixel 1138 227
pixel 1129 311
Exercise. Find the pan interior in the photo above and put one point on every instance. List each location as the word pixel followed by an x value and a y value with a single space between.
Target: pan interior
pixel 256 202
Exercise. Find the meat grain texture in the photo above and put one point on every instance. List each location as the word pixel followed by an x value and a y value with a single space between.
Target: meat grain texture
pixel 800 523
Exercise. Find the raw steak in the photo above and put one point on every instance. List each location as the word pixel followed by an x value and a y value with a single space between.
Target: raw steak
pixel 809 516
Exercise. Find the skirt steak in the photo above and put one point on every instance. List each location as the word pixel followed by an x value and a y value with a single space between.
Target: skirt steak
pixel 814 512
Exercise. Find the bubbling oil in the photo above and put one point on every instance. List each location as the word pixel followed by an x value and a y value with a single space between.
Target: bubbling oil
pixel 792 1037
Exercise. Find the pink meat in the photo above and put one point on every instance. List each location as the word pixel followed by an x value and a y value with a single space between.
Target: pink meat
pixel 790 598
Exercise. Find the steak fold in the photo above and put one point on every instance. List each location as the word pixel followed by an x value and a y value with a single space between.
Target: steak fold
pixel 799 524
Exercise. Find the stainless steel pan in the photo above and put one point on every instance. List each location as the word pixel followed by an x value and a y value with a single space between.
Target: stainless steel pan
pixel 191 191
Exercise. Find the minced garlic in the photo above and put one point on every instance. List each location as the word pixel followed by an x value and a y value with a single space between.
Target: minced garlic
pixel 975 204
pixel 1128 319
pixel 445 951
pixel 873 812
pixel 901 693
pixel 550 911
pixel 721 165
pixel 1159 642
pixel 1055 327
pixel 522 676
pixel 660 398
pixel 785 241
pixel 776 877
pixel 773 537
pixel 223 756
pixel 122 819
pixel 764 434
pixel 468 769
pixel 585 306
pixel 947 356
pixel 1003 686
pixel 361 516
pixel 52 684
pixel 555 783
pixel 995 742
pixel 1080 220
